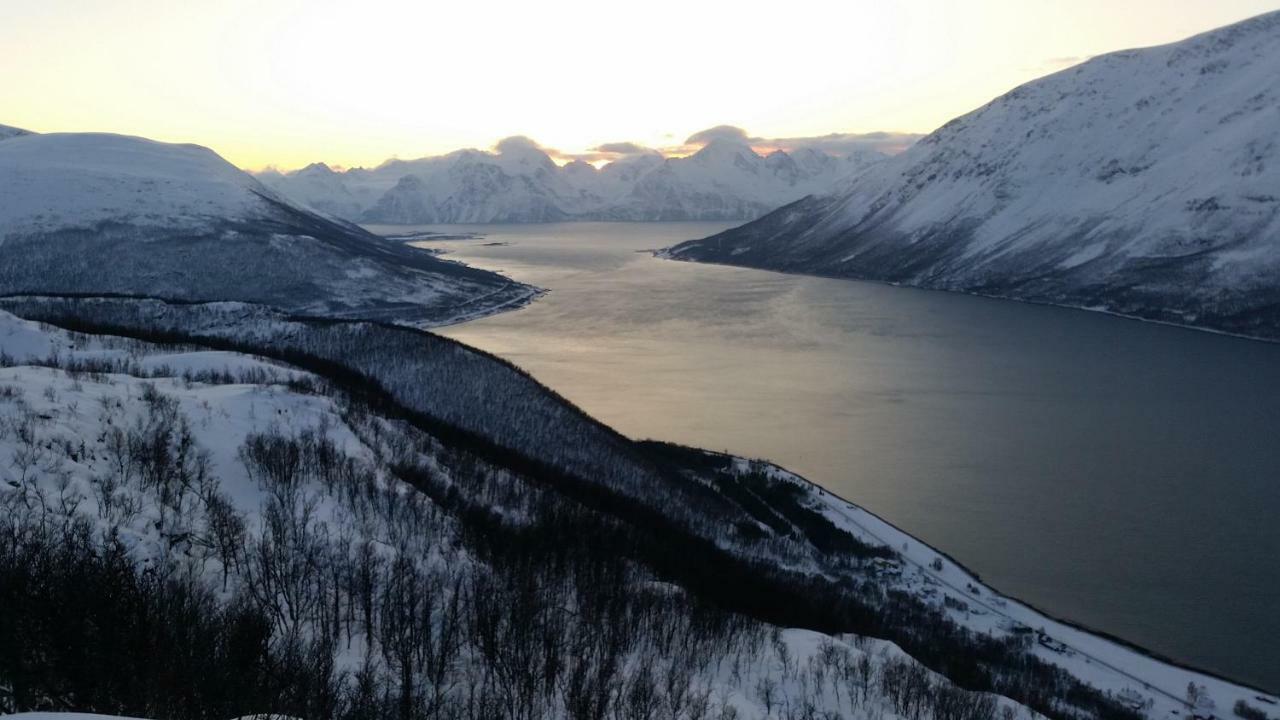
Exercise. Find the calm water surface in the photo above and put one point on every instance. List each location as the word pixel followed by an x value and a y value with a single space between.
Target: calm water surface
pixel 1121 474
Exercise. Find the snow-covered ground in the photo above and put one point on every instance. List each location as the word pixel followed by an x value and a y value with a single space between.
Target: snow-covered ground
pixel 67 401
pixel 792 664
pixel 225 414
pixel 64 716
pixel 75 411
pixel 1156 687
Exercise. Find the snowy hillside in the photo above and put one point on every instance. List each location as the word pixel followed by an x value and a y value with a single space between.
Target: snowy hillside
pixel 1144 182
pixel 7 132
pixel 197 533
pixel 725 180
pixel 99 213
pixel 541 528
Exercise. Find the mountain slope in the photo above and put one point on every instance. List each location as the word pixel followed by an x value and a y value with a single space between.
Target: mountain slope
pixel 317 186
pixel 1144 182
pixel 98 213
pixel 223 535
pixel 368 459
pixel 725 180
pixel 518 184
pixel 7 132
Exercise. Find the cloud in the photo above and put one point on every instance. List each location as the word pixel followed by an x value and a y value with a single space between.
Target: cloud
pixel 839 144
pixel 1055 64
pixel 517 143
pixel 889 143
pixel 1066 60
pixel 604 152
pixel 620 148
pixel 719 132
pixel 523 143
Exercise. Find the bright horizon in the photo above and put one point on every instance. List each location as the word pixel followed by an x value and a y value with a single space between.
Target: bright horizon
pixel 285 82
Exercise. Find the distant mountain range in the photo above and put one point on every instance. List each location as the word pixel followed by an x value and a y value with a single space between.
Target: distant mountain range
pixel 519 182
pixel 110 214
pixel 1143 182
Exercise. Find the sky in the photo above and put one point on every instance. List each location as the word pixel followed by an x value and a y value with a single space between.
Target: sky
pixel 287 82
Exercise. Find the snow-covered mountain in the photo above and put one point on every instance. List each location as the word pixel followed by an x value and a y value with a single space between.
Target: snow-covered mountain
pixel 99 213
pixel 1143 182
pixel 518 182
pixel 320 188
pixel 7 132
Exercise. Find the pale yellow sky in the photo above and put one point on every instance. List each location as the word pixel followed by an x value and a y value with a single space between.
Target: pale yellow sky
pixel 287 82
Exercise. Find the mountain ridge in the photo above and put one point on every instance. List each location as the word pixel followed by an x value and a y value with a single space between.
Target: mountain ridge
pixel 725 179
pixel 1141 182
pixel 104 213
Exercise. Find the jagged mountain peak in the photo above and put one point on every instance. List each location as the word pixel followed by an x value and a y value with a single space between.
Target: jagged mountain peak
pixel 780 159
pixel 725 150
pixel 519 182
pixel 580 166
pixel 316 168
pixel 519 154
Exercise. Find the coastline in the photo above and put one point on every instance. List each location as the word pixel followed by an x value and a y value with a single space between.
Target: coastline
pixel 1097 652
pixel 665 254
pixel 1157 673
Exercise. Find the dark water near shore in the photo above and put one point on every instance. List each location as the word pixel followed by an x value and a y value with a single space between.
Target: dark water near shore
pixel 1121 474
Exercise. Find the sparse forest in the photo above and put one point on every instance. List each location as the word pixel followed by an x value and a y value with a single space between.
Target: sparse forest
pixel 449 539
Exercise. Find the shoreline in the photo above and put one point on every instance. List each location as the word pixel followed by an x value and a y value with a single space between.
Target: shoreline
pixel 664 254
pixel 893 537
pixel 1128 667
pixel 1235 688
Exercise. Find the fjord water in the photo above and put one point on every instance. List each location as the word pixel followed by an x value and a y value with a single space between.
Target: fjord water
pixel 1121 474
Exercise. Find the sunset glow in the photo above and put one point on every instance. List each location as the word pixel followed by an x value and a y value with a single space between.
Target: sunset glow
pixel 287 82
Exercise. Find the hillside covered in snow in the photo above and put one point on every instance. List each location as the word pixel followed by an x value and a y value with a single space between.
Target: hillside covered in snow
pixel 219 510
pixel 519 182
pixel 99 213
pixel 1143 182
pixel 199 533
pixel 7 132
